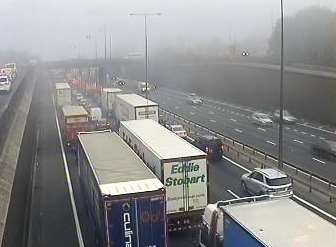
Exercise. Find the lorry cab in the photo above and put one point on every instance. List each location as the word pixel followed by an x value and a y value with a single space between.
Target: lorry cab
pixel 211 145
pixel 5 84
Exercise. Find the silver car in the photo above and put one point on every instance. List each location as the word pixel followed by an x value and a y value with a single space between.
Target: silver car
pixel 267 182
pixel 262 119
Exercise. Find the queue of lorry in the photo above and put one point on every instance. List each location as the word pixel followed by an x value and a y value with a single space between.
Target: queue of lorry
pixel 142 181
pixel 8 74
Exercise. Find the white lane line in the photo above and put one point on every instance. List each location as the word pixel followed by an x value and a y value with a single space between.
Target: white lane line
pixel 320 161
pixel 194 107
pixel 72 198
pixel 270 142
pixel 233 194
pixel 176 107
pixel 248 117
pixel 212 120
pixel 303 133
pixel 312 135
pixel 297 141
pixel 261 129
pixel 295 130
pixel 295 196
pixel 192 113
pixel 316 128
pixel 287 128
pixel 322 138
pixel 239 131
pixel 211 112
pixel 234 120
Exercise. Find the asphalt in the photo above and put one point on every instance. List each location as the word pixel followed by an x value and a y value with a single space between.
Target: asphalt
pixel 235 122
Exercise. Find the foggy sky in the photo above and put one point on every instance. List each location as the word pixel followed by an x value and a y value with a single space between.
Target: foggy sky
pixel 57 29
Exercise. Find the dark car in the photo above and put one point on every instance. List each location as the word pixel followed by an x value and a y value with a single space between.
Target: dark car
pixel 325 149
pixel 211 145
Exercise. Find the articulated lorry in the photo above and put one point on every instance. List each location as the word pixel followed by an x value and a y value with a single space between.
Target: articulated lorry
pixel 125 200
pixel 264 222
pixel 134 107
pixel 178 164
pixel 63 94
pixel 108 99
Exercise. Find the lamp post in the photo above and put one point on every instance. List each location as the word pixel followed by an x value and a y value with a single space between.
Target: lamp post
pixel 145 15
pixel 280 158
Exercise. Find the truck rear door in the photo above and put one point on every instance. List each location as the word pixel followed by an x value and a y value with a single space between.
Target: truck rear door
pixel 186 185
pixel 136 221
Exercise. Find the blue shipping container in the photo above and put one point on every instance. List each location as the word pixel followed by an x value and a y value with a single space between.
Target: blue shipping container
pixel 136 221
pixel 237 236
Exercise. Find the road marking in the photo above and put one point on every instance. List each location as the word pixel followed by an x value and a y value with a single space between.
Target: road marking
pixel 177 107
pixel 72 198
pixel 303 133
pixel 295 130
pixel 320 161
pixel 322 138
pixel 270 142
pixel 287 128
pixel 297 141
pixel 212 120
pixel 261 129
pixel 295 196
pixel 192 113
pixel 239 131
pixel 316 128
pixel 312 135
pixel 233 194
pixel 234 120
pixel 211 112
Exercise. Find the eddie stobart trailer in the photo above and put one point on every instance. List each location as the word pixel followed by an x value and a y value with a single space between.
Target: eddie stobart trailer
pixel 264 222
pixel 178 164
pixel 124 199
pixel 135 107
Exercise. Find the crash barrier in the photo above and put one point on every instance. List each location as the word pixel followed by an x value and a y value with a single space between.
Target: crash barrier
pixel 253 158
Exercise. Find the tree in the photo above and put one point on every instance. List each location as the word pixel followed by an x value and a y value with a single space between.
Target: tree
pixel 309 37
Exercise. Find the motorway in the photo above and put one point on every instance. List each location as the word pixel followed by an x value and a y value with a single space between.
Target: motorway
pixel 60 216
pixel 5 98
pixel 54 216
pixel 235 122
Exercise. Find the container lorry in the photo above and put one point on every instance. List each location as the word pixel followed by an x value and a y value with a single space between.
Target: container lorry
pixel 264 222
pixel 124 199
pixel 179 165
pixel 108 99
pixel 75 119
pixel 11 67
pixel 134 107
pixel 63 94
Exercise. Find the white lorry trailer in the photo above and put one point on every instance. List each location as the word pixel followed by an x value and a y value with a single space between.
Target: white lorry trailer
pixel 264 222
pixel 108 99
pixel 178 164
pixel 135 107
pixel 63 94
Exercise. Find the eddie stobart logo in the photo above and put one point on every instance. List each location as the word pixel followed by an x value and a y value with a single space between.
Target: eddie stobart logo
pixel 189 168
pixel 127 225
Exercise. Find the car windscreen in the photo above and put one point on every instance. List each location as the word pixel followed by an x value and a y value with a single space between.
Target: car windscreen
pixel 277 181
pixel 10 66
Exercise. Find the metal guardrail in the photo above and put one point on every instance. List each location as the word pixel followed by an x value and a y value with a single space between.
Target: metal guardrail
pixel 253 158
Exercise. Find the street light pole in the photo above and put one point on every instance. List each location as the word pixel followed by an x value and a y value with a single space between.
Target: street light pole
pixel 145 15
pixel 280 159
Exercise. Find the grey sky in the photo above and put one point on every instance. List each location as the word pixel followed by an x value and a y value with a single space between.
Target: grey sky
pixel 57 29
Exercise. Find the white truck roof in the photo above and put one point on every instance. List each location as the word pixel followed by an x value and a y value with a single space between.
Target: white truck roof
pixel 62 85
pixel 117 168
pixel 160 140
pixel 136 100
pixel 74 110
pixel 283 222
pixel 111 90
